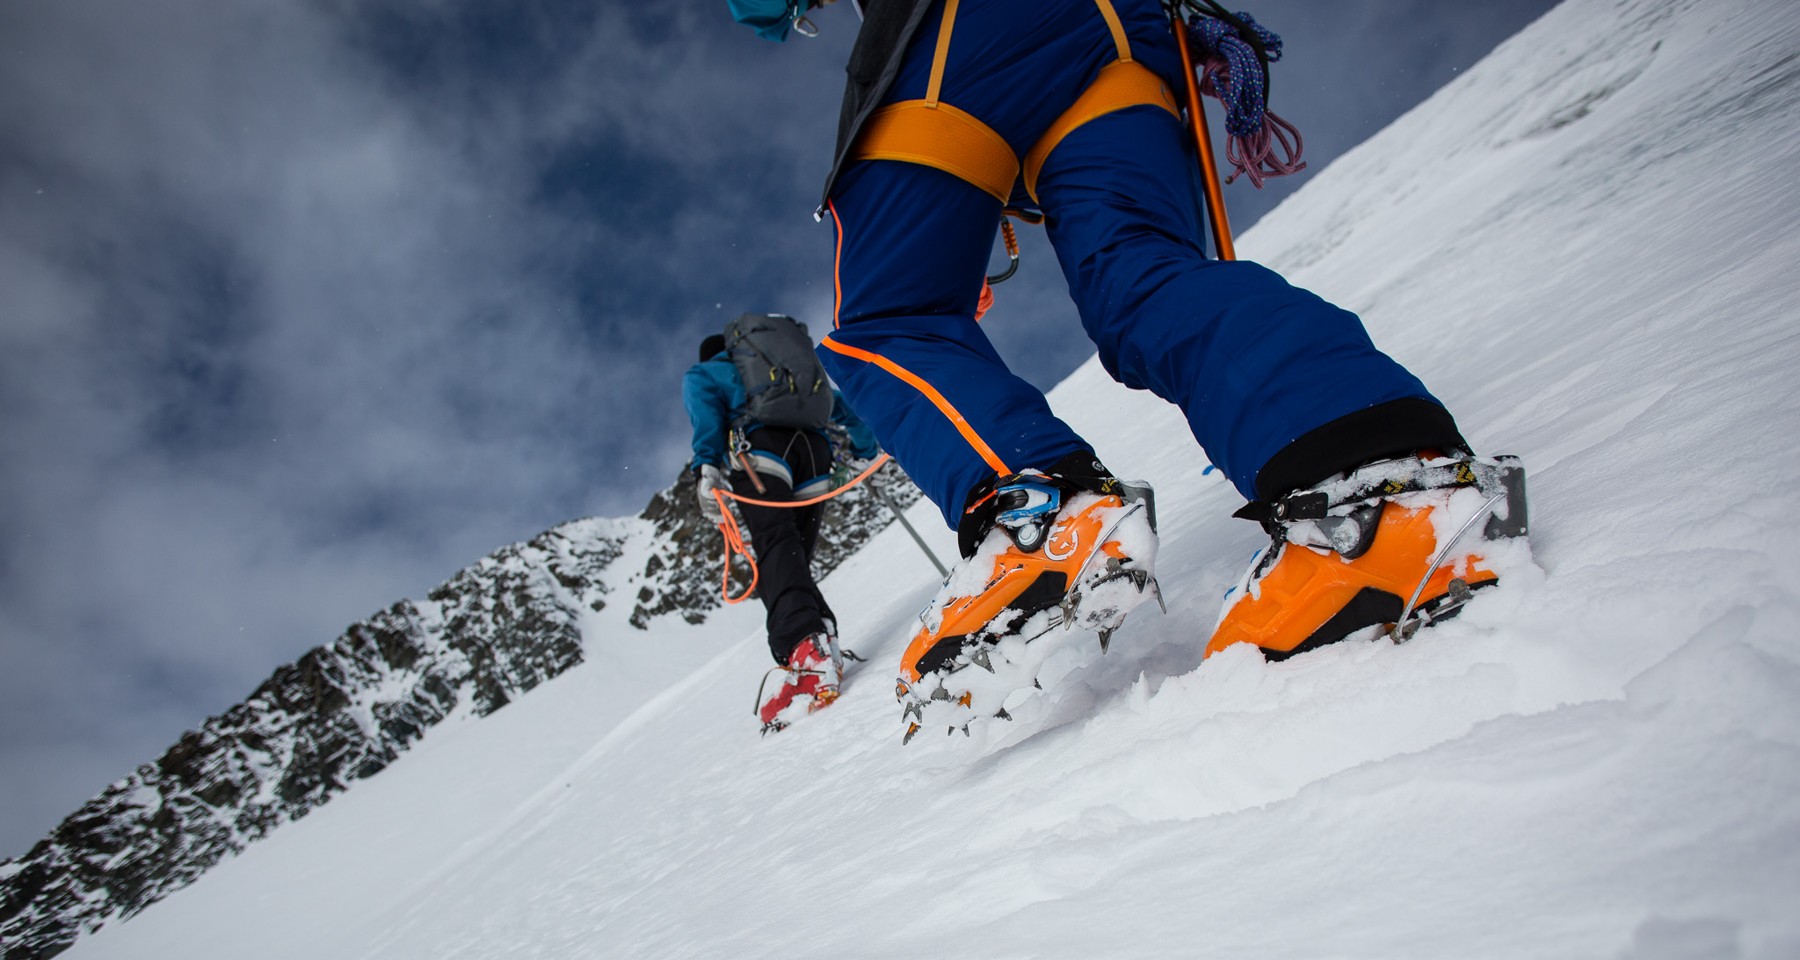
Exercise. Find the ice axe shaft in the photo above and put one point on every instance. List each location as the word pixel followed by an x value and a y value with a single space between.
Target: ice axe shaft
pixel 1209 171
pixel 882 494
pixel 755 481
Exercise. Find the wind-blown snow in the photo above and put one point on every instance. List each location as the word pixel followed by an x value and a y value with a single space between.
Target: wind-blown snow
pixel 1587 247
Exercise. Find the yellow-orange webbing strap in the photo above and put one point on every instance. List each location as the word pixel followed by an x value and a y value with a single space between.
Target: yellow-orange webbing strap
pixel 943 137
pixel 935 134
pixel 1121 84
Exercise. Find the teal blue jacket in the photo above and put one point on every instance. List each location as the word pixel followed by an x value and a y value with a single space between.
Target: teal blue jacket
pixel 714 397
pixel 771 18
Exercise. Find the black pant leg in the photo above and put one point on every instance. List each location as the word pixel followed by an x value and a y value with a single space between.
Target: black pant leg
pixel 811 456
pixel 791 600
pixel 808 523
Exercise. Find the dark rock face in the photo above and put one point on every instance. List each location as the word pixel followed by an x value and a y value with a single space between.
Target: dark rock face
pixel 345 711
pixel 682 574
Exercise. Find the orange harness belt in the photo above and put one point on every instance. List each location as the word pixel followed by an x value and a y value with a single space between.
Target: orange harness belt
pixel 935 134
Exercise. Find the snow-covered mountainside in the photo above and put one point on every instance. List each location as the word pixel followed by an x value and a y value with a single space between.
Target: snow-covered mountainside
pixel 1586 246
pixel 344 712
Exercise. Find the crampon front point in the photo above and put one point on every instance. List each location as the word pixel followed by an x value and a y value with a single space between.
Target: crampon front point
pixel 1086 565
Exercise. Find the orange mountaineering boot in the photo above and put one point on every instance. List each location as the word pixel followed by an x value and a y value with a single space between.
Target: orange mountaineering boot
pixel 1067 548
pixel 1382 550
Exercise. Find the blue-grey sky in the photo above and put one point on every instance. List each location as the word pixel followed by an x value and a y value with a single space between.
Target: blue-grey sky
pixel 306 304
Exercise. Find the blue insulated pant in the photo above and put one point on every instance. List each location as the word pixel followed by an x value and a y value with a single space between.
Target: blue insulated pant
pixel 1252 361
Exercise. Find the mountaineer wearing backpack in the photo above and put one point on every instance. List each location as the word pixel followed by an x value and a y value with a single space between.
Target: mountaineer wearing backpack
pixel 769 442
pixel 958 108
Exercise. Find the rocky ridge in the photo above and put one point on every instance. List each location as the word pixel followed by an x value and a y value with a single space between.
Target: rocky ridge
pixel 344 711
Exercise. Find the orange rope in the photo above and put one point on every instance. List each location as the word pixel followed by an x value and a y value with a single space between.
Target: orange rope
pixel 734 543
pixel 734 536
pixel 821 498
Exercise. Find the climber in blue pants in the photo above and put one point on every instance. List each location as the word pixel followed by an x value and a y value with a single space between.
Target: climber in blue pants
pixel 958 108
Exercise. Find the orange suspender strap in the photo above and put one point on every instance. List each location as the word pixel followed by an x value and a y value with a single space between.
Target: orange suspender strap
pixel 935 134
pixel 931 393
pixel 941 55
pixel 1118 29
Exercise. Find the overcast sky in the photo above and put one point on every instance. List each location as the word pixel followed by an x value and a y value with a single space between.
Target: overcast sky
pixel 307 304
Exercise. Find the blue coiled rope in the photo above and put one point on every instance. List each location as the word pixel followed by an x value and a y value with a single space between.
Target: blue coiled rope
pixel 1244 85
pixel 1236 52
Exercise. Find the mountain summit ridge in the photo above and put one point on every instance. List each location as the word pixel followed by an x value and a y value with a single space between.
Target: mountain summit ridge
pixel 343 712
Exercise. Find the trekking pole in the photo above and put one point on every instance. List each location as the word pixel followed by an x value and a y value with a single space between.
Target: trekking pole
pixel 1209 171
pixel 891 505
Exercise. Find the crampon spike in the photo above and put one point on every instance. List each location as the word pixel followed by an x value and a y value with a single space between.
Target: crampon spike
pixel 911 729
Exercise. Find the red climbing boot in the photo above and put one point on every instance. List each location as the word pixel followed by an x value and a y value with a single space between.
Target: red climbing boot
pixel 810 681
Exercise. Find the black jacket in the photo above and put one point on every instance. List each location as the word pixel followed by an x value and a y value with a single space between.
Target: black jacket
pixel 888 26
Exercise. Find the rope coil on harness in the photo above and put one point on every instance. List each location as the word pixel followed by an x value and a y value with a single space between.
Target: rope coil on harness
pixel 734 545
pixel 1237 52
pixel 734 535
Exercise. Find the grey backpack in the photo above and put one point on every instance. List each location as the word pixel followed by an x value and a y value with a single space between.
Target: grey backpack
pixel 783 380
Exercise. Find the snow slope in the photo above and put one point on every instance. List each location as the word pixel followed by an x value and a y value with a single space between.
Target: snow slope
pixel 1587 247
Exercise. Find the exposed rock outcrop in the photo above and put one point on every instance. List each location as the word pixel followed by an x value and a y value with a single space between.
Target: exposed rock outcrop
pixel 344 711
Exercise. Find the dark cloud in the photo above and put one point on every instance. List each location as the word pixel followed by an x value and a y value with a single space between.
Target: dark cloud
pixel 303 306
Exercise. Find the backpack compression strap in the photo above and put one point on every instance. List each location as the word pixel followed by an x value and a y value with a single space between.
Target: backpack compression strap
pixel 935 134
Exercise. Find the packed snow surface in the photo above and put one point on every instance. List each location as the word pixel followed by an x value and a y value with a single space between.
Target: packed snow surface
pixel 1587 247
